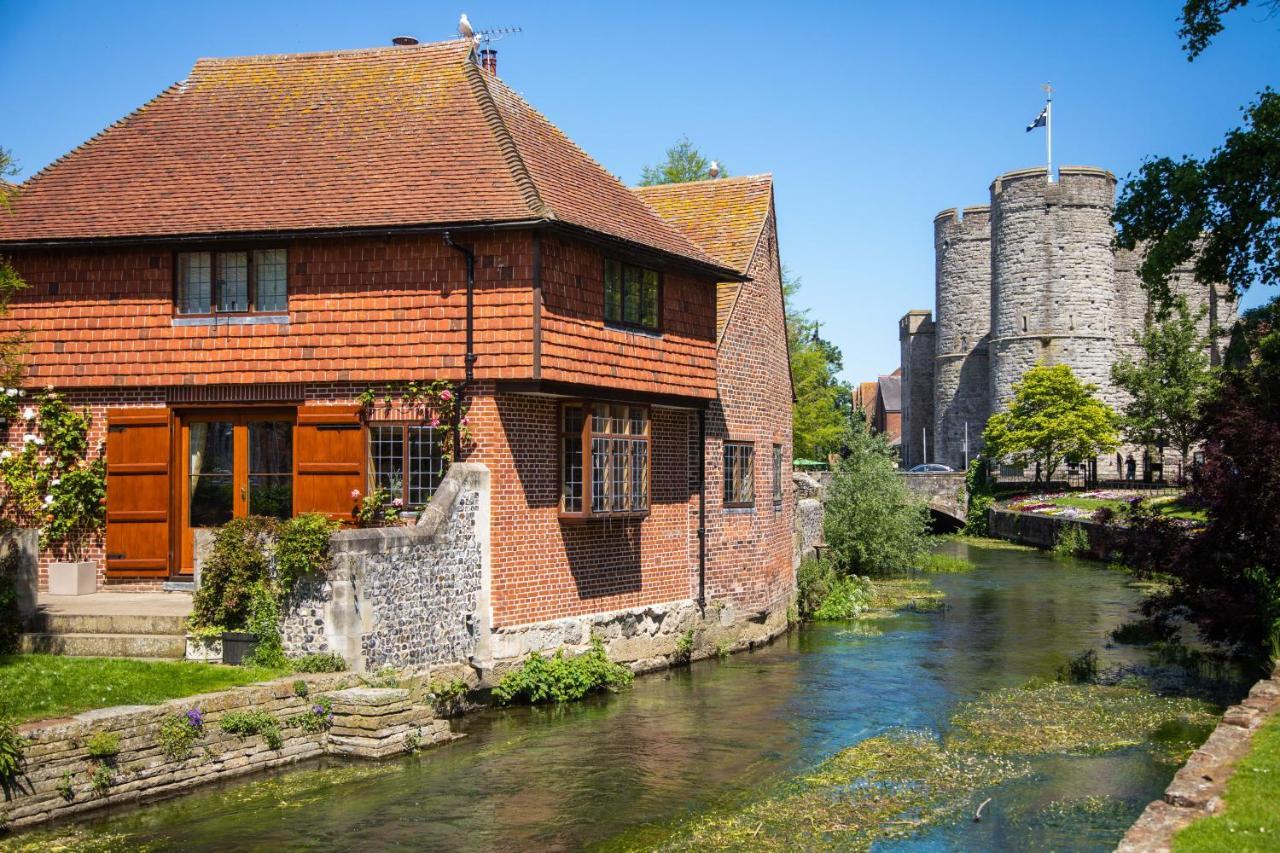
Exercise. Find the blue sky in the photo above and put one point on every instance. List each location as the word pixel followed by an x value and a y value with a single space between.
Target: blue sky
pixel 871 116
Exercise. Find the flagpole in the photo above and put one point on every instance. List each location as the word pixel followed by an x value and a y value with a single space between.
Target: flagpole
pixel 1048 129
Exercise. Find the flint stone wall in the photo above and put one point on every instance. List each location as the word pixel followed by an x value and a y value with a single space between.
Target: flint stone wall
pixel 407 597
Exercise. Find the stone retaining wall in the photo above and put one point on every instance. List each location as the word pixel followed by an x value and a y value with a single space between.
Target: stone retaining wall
pixel 645 638
pixel 58 772
pixel 1196 789
pixel 1042 531
pixel 407 597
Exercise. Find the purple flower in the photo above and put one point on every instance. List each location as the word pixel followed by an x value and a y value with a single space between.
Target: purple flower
pixel 318 710
pixel 195 718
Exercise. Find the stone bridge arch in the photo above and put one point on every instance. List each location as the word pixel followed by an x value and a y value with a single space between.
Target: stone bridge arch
pixel 944 492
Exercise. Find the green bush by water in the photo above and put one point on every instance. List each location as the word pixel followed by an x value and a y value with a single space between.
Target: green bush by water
pixel 248 723
pixel 1072 541
pixel 941 564
pixel 561 678
pixel 825 594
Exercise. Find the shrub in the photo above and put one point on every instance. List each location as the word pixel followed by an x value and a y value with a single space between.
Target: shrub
pixel 12 747
pixel 101 779
pixel 103 745
pixel 560 678
pixel 236 565
pixel 301 689
pixel 1081 669
pixel 179 732
pixel 10 618
pixel 447 696
pixel 66 786
pixel 824 594
pixel 871 522
pixel 1072 540
pixel 318 718
pixel 302 548
pixel 684 646
pixel 264 624
pixel 319 662
pixel 978 486
pixel 249 723
pixel 387 676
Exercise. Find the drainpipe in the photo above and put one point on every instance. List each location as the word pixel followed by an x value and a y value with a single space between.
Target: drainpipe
pixel 470 358
pixel 702 511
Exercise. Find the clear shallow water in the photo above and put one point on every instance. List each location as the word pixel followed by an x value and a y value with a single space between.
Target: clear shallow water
pixel 614 771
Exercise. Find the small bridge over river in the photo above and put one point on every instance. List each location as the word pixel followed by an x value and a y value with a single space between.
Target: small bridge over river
pixel 944 492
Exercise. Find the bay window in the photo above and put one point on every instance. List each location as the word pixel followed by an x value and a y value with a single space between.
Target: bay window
pixel 604 460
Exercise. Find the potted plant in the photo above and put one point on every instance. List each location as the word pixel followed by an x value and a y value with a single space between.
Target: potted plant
pixel 204 644
pixel 237 645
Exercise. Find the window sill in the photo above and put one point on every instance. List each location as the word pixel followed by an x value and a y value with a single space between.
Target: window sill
pixel 642 331
pixel 740 509
pixel 581 518
pixel 233 320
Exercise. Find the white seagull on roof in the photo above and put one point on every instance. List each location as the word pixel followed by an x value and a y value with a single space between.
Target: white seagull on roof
pixel 464 28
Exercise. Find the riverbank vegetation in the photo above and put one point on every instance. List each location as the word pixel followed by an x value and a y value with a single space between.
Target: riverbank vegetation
pixel 561 677
pixel 825 594
pixel 38 686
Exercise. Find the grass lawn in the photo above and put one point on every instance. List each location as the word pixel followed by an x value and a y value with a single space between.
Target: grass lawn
pixel 1252 819
pixel 34 687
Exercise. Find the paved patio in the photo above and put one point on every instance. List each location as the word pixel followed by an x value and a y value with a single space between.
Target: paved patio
pixel 116 604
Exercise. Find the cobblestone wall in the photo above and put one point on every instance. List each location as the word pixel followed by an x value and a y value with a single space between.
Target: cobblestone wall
pixel 407 597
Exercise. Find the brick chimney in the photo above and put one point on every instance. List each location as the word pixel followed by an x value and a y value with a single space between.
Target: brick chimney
pixel 489 60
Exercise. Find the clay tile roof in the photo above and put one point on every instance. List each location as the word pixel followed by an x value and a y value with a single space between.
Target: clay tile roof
pixel 724 216
pixel 385 137
pixel 891 393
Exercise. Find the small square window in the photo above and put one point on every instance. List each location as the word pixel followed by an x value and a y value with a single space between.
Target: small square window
pixel 739 474
pixel 631 295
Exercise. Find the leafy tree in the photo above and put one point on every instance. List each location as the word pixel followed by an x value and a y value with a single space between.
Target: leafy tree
pixel 1202 20
pixel 684 163
pixel 823 402
pixel 1221 214
pixel 1053 417
pixel 1169 383
pixel 871 522
pixel 1229 575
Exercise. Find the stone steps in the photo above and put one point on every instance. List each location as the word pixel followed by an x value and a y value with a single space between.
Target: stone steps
pixel 116 645
pixel 44 622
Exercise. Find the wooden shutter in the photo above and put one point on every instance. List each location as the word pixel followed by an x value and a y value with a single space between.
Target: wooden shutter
pixel 330 451
pixel 138 493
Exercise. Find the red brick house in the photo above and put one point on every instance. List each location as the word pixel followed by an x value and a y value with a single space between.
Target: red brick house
pixel 220 275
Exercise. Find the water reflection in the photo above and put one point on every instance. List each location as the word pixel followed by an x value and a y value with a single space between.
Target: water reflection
pixel 620 769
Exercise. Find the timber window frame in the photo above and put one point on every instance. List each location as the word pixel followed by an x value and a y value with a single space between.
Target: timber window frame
pixel 606 460
pixel 407 459
pixel 777 476
pixel 739 475
pixel 632 296
pixel 236 281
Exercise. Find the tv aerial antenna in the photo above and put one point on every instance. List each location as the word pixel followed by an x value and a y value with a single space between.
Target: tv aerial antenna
pixel 489 36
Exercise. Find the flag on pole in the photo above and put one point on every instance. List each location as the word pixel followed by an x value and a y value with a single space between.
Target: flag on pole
pixel 1040 120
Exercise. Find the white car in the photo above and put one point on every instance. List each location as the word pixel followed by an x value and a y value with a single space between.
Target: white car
pixel 932 468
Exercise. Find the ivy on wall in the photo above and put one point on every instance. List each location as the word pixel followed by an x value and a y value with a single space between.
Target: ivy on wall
pixel 443 410
pixel 50 482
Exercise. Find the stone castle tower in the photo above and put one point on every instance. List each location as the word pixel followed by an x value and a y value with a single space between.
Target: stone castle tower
pixel 1031 278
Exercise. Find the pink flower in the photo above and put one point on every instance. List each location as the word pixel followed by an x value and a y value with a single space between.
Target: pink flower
pixel 466 421
pixel 397 503
pixel 446 395
pixel 435 422
pixel 355 494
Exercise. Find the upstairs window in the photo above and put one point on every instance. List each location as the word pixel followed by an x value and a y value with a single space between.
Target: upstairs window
pixel 407 460
pixel 232 282
pixel 631 295
pixel 605 460
pixel 739 474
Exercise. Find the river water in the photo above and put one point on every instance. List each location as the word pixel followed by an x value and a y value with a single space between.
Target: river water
pixel 617 771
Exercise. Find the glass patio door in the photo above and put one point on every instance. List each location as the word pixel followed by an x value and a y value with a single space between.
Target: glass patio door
pixel 234 466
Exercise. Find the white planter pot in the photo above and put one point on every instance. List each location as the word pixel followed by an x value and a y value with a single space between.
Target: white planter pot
pixel 73 578
pixel 204 650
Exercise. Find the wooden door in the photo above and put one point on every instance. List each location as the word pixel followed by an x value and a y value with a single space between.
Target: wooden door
pixel 331 458
pixel 138 493
pixel 233 464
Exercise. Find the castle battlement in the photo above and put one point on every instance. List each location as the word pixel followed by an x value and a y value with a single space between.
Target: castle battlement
pixel 1031 278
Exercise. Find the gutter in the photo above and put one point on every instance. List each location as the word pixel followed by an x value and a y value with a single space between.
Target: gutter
pixel 702 511
pixel 470 357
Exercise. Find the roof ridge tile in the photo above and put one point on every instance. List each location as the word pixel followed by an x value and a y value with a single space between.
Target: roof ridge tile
pixel 507 144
